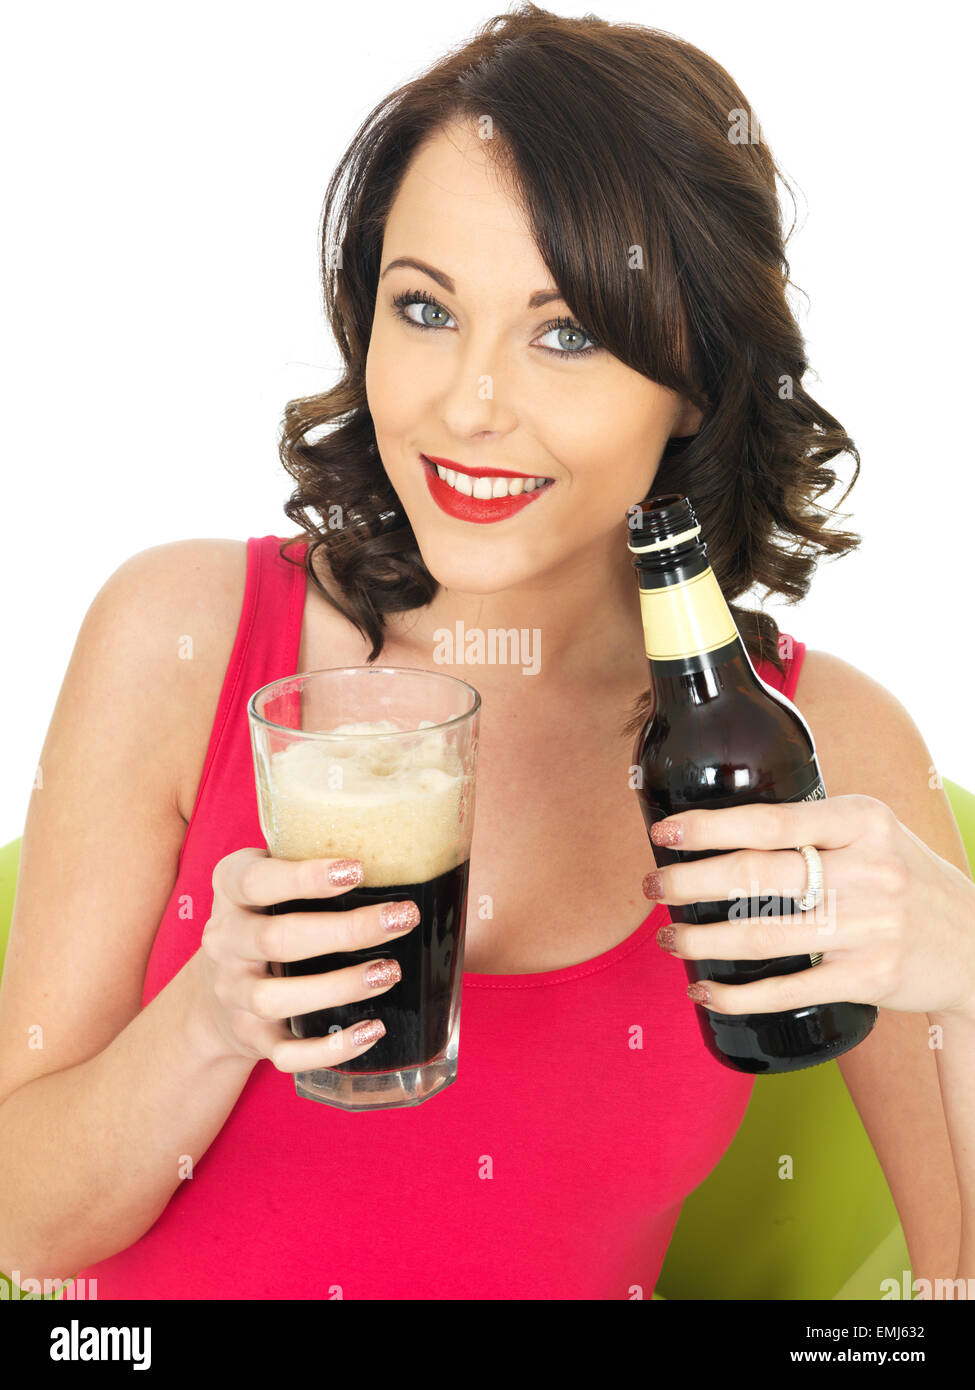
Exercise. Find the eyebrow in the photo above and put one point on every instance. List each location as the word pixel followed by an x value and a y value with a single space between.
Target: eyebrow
pixel 535 301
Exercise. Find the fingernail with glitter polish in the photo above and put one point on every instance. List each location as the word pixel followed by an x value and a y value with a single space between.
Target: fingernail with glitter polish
pixel 345 873
pixel 368 1032
pixel 652 887
pixel 399 916
pixel 667 833
pixel 699 993
pixel 667 938
pixel 382 972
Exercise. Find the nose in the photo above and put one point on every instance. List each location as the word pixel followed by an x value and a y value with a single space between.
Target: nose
pixel 477 400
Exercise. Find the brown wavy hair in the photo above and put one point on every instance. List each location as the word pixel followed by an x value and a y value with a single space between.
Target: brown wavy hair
pixel 619 142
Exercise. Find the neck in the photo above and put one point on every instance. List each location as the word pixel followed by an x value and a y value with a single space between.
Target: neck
pixel 577 628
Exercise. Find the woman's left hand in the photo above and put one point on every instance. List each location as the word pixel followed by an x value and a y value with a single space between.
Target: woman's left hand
pixel 895 926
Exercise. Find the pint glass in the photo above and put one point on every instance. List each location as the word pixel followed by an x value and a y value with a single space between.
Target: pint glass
pixel 377 764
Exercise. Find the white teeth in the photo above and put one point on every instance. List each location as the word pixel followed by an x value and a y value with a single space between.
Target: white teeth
pixel 488 487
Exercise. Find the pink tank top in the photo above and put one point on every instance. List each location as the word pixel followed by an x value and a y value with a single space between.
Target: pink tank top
pixel 553 1168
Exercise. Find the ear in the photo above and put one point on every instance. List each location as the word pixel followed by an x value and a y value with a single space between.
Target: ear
pixel 689 421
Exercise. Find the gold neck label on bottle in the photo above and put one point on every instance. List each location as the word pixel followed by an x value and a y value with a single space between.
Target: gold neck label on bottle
pixel 686 619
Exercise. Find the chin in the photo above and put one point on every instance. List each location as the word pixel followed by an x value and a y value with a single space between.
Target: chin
pixel 465 568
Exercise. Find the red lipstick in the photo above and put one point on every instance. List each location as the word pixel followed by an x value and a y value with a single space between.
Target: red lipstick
pixel 477 472
pixel 477 509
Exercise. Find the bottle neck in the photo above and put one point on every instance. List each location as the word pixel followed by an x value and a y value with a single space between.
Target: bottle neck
pixel 688 628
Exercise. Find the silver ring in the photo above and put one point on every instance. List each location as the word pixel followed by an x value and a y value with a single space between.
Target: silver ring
pixel 813 893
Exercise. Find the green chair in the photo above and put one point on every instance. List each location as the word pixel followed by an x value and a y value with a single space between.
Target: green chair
pixel 831 1231
pixel 9 859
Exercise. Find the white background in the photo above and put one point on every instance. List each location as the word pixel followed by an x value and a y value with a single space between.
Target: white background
pixel 164 169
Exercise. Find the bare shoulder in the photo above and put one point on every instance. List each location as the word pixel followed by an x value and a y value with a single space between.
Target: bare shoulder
pixel 828 686
pixel 867 741
pixel 170 605
pixel 185 597
pixel 175 569
pixel 841 704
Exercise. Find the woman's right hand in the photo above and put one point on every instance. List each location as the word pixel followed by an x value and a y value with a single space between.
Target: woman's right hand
pixel 246 1007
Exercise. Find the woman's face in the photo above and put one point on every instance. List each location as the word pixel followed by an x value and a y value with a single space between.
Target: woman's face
pixel 484 385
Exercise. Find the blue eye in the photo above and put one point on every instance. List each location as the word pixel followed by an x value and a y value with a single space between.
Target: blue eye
pixel 402 301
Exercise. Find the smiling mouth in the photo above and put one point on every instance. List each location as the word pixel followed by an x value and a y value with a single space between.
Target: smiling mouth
pixel 482 500
pixel 487 486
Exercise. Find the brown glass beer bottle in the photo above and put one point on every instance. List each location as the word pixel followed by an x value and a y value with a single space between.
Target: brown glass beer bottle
pixel 718 736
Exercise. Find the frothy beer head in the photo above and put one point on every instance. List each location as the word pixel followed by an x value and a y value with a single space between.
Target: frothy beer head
pixel 396 804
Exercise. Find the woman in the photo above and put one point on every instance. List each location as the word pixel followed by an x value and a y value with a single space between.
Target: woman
pixel 557 189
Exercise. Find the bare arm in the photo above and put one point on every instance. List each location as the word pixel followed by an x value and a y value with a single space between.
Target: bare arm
pixel 910 1101
pixel 99 1099
pixel 92 1155
pixel 105 1105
